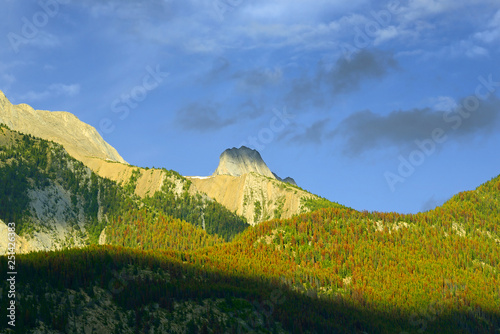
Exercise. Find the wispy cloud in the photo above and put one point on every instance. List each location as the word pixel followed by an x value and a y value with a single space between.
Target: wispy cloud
pixel 423 9
pixel 366 130
pixel 343 77
pixel 492 33
pixel 201 117
pixel 52 91
pixel 6 80
pixel 255 79
pixel 312 134
pixel 347 75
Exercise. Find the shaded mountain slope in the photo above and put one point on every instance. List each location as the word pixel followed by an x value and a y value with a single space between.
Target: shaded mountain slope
pixel 442 274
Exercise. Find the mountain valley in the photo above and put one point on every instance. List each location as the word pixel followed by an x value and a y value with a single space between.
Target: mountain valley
pixel 106 247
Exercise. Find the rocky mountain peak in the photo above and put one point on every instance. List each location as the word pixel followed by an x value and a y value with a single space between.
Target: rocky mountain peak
pixel 238 161
pixel 78 138
pixel 243 160
pixel 287 179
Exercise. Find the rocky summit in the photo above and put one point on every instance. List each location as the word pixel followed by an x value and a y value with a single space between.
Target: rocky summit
pixel 80 140
pixel 243 160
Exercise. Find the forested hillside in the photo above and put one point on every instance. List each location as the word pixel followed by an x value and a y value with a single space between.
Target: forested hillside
pixel 332 270
pixel 145 229
pixel 53 197
pixel 190 265
pixel 42 188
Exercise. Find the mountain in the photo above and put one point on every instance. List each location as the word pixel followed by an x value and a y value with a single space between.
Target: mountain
pixel 244 184
pixel 56 201
pixel 124 249
pixel 334 270
pixel 80 140
pixel 239 161
pixel 286 179
pixel 49 214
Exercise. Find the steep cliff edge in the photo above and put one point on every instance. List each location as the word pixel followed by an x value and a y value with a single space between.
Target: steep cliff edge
pixel 253 196
pixel 244 184
pixel 243 160
pixel 80 140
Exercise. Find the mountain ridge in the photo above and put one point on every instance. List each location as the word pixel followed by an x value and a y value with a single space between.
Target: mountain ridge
pixel 174 249
pixel 81 140
pixel 238 161
pixel 244 184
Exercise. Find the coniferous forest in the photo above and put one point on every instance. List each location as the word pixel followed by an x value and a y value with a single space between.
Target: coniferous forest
pixel 182 263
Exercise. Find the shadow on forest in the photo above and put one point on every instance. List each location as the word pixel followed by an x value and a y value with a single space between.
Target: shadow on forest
pixel 271 300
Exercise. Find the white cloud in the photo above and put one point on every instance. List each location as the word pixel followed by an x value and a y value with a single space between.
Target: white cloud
pixel 42 39
pixel 464 48
pixel 384 35
pixel 6 80
pixel 493 33
pixel 54 90
pixel 289 11
pixel 444 103
pixel 422 9
pixel 419 9
pixel 201 26
pixel 469 49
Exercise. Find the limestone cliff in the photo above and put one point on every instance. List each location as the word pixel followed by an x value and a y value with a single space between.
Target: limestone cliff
pixel 244 184
pixel 80 140
pixel 243 160
pixel 253 196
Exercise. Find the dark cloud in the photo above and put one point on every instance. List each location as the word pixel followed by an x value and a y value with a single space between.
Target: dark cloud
pixel 201 117
pixel 258 78
pixel 365 130
pixel 312 134
pixel 207 117
pixel 249 79
pixel 482 120
pixel 218 70
pixel 304 91
pixel 347 75
pixel 250 109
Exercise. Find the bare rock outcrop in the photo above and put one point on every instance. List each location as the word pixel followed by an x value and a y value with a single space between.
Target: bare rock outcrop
pixel 253 196
pixel 286 179
pixel 243 160
pixel 244 184
pixel 80 140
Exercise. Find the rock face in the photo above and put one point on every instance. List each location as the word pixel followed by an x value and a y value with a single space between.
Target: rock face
pixel 289 180
pixel 244 184
pixel 286 179
pixel 80 140
pixel 243 160
pixel 253 196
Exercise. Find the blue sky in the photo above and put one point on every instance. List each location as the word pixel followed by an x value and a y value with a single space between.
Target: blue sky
pixel 378 105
